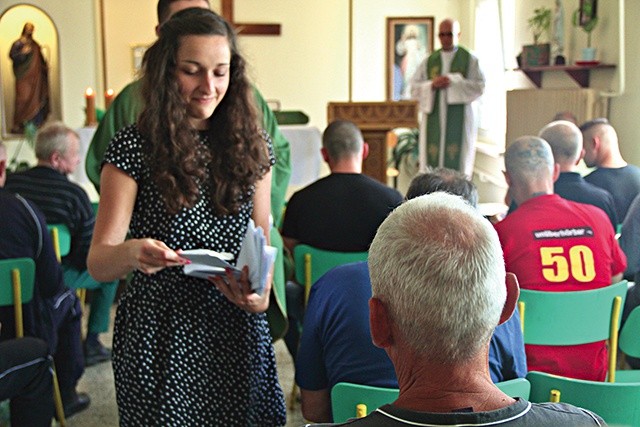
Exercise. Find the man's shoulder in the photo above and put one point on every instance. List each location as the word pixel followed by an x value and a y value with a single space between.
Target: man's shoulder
pixel 560 414
pixel 546 211
pixel 346 276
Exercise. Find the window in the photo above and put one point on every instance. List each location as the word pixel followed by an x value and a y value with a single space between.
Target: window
pixel 494 30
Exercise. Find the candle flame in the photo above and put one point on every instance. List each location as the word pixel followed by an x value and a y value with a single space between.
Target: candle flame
pixel 89 92
pixel 110 92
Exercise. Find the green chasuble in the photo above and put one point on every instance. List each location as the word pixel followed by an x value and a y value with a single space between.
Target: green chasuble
pixel 455 114
pixel 125 110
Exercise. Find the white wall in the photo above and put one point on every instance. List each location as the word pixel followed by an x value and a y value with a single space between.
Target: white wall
pixel 307 65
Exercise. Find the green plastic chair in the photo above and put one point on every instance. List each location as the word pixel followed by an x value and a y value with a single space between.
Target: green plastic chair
pixel 311 263
pixel 617 403
pixel 356 401
pixel 350 400
pixel 17 282
pixel 629 343
pixel 572 318
pixel 518 387
pixel 61 238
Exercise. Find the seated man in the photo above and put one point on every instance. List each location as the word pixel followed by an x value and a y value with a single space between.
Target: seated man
pixel 64 202
pixel 54 314
pixel 553 244
pixel 339 212
pixel 630 244
pixel 342 211
pixel 612 172
pixel 565 140
pixel 438 282
pixel 25 378
pixel 336 341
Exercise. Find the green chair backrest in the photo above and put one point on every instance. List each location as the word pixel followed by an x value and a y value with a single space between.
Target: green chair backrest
pixel 64 237
pixel 629 341
pixel 27 269
pixel 569 318
pixel 617 403
pixel 518 387
pixel 345 398
pixel 321 260
pixel 311 263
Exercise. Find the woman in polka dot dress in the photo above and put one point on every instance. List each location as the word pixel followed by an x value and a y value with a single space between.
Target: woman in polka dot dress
pixel 189 174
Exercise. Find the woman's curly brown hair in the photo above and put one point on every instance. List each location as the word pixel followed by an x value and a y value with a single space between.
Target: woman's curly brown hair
pixel 235 156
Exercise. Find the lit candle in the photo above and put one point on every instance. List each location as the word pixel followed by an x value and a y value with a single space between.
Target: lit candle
pixel 90 98
pixel 108 98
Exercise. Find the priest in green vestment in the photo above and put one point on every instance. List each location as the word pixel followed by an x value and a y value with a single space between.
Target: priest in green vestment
pixel 446 84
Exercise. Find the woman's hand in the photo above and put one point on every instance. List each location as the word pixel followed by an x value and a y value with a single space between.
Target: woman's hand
pixel 151 256
pixel 239 291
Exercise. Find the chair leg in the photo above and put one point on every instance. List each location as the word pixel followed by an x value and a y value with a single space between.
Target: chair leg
pixel 82 295
pixel 57 398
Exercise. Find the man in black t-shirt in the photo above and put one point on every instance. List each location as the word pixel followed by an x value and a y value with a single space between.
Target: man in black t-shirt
pixel 340 212
pixel 612 172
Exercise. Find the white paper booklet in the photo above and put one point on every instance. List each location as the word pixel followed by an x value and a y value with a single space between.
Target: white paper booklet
pixel 254 253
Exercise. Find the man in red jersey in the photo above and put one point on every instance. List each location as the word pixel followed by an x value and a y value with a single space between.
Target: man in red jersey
pixel 553 244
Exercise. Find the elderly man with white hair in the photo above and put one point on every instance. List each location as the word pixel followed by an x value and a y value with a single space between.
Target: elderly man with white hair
pixel 553 244
pixel 438 281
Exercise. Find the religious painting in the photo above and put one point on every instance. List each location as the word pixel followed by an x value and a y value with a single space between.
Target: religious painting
pixel 30 78
pixel 409 42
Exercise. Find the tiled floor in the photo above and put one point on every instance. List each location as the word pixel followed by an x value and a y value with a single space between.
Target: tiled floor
pixel 97 381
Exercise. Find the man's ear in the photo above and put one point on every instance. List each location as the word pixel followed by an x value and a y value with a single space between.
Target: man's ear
pixel 582 153
pixel 507 178
pixel 3 170
pixel 379 323
pixel 556 171
pixel 513 293
pixel 325 155
pixel 365 151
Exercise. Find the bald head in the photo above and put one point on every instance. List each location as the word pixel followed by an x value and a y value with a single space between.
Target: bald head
pixel 449 34
pixel 342 139
pixel 601 144
pixel 565 140
pixel 530 168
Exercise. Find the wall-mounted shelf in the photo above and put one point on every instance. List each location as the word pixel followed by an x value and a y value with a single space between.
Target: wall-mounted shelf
pixel 579 73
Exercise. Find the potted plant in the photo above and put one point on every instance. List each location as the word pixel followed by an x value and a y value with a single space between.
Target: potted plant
pixel 538 53
pixel 16 165
pixel 585 17
pixel 404 154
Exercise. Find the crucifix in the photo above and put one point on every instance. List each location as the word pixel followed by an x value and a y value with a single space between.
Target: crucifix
pixel 248 29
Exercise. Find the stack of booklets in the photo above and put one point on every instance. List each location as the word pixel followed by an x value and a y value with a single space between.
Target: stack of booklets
pixel 254 253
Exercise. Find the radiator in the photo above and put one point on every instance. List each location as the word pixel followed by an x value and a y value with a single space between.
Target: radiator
pixel 528 110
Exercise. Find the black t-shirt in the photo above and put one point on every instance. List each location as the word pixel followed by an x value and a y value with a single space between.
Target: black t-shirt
pixel 340 212
pixel 623 184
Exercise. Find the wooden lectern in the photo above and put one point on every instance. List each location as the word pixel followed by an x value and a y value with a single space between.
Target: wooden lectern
pixel 375 119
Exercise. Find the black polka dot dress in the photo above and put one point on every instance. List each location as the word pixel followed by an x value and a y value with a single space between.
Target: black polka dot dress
pixel 183 355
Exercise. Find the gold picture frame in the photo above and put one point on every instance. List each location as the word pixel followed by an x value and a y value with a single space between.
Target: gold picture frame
pixel 409 42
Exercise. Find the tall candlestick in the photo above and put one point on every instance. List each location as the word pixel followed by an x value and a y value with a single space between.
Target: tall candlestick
pixel 108 98
pixel 90 98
